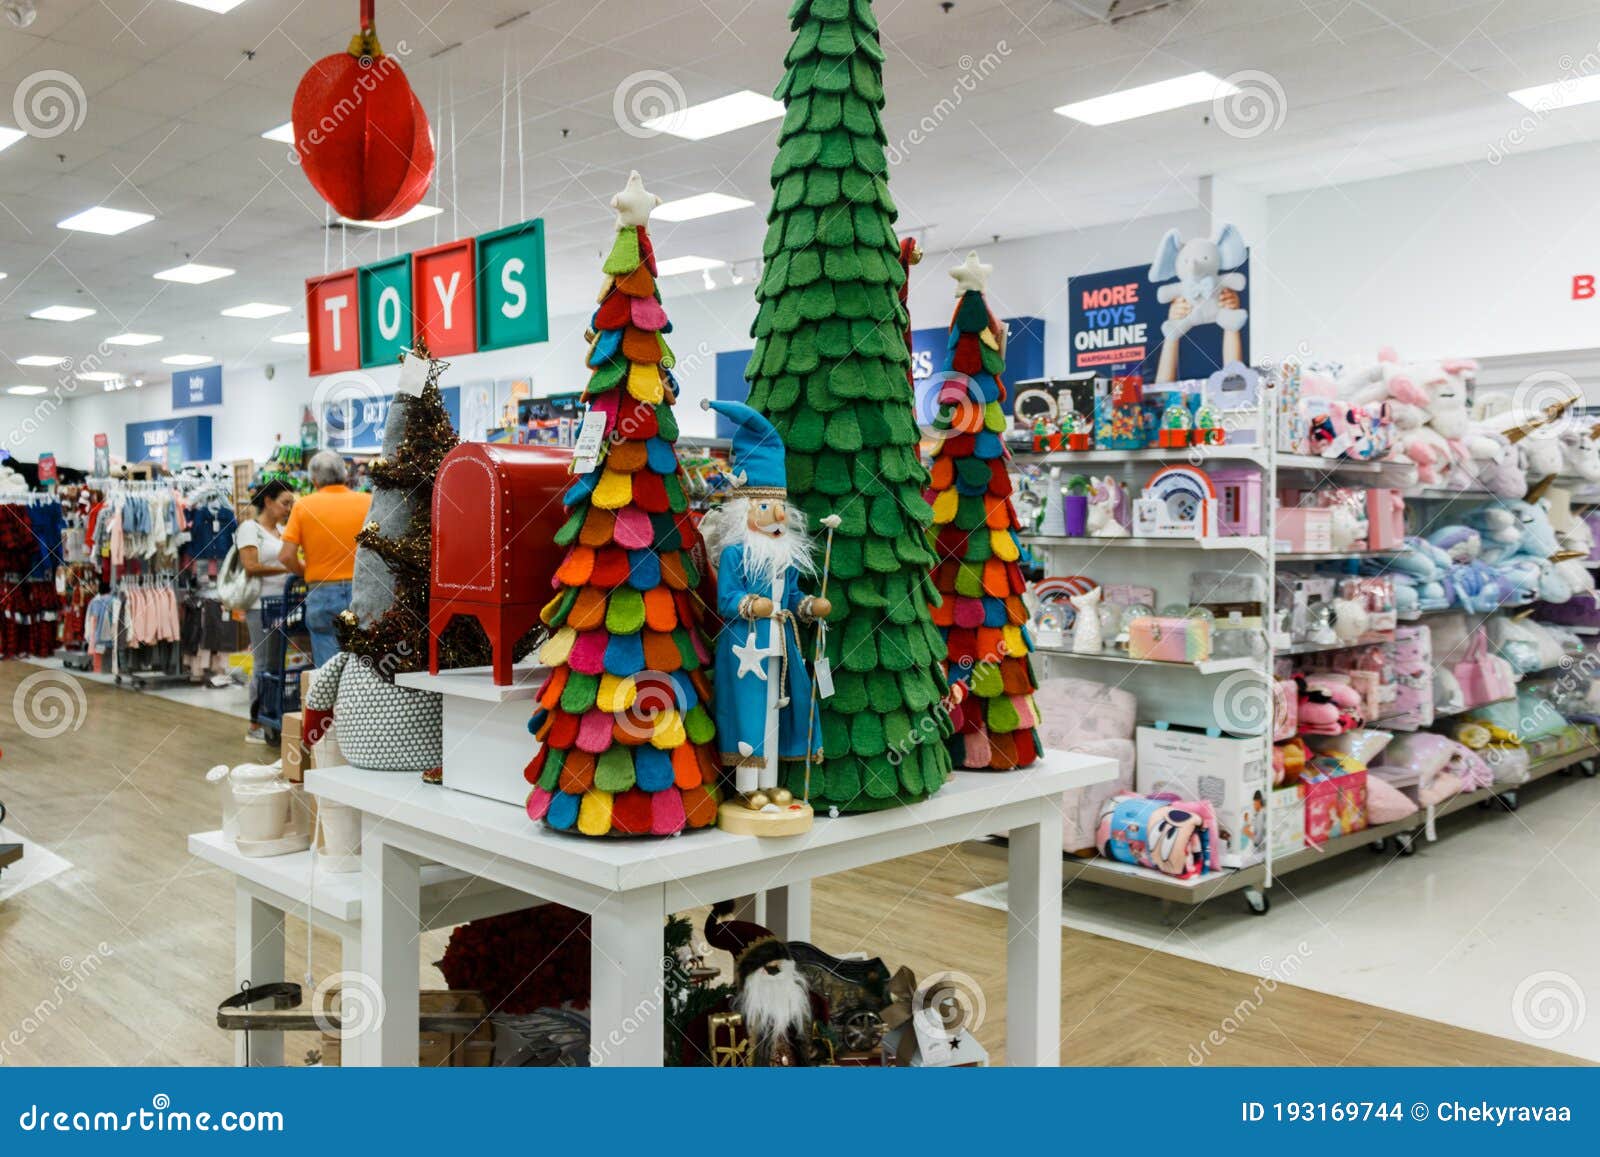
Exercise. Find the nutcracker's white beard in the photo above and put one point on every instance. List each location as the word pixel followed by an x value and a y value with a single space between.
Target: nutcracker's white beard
pixel 765 555
pixel 773 1005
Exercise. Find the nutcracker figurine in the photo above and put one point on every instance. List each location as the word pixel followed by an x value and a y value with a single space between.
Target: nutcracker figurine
pixel 760 548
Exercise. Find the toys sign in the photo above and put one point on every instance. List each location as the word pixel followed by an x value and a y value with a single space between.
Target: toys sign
pixel 463 296
pixel 1115 319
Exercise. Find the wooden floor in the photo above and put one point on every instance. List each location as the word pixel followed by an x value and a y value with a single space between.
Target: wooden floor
pixel 123 959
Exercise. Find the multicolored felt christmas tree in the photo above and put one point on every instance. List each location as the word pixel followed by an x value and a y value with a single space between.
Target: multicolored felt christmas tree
pixel 623 721
pixel 829 372
pixel 975 536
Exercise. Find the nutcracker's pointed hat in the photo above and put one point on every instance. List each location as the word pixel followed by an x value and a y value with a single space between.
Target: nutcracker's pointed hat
pixel 758 458
pixel 751 945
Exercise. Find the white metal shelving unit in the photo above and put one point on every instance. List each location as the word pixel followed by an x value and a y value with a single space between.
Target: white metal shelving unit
pixel 1188 694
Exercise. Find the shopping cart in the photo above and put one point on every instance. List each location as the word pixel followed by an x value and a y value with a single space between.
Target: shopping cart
pixel 288 654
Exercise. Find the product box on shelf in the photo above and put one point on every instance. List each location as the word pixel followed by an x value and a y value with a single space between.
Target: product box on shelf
pixel 1335 806
pixel 1287 833
pixel 1235 393
pixel 1119 421
pixel 1227 772
pixel 295 751
pixel 1169 639
pixel 1294 432
pixel 1303 529
pixel 1052 399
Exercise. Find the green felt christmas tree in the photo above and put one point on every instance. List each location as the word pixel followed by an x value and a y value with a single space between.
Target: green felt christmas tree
pixel 829 371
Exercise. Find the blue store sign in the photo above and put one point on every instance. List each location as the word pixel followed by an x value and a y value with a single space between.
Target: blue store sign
pixel 170 439
pixel 1115 323
pixel 201 387
pixel 1024 360
pixel 355 425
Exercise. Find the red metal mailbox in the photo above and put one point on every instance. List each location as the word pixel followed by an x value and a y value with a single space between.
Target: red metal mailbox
pixel 496 511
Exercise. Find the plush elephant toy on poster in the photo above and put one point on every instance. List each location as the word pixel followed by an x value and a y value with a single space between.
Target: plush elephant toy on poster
pixel 1198 264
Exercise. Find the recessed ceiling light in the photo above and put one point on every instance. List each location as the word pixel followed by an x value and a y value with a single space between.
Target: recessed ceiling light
pixel 192 274
pixel 737 110
pixel 62 313
pixel 255 309
pixel 1162 96
pixel 218 6
pixel 97 376
pixel 283 134
pixel 3 276
pixel 1561 94
pixel 700 205
pixel 300 338
pixel 28 391
pixel 9 136
pixel 40 360
pixel 104 221
pixel 134 339
pixel 186 360
pixel 417 213
pixel 675 265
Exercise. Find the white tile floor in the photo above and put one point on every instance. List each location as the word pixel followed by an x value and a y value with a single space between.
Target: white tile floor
pixel 1495 927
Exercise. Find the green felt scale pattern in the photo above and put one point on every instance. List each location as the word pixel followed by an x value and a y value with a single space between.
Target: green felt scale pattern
pixel 830 371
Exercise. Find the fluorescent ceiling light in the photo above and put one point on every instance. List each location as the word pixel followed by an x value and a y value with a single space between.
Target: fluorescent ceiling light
pixel 675 265
pixel 28 391
pixel 40 360
pixel 1162 96
pixel 283 134
pixel 192 274
pixel 417 213
pixel 98 376
pixel 134 339
pixel 301 338
pixel 9 136
pixel 255 310
pixel 62 313
pixel 700 205
pixel 104 221
pixel 737 110
pixel 218 6
pixel 1561 94
pixel 186 360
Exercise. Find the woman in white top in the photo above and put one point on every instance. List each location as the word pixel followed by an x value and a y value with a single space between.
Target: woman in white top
pixel 259 545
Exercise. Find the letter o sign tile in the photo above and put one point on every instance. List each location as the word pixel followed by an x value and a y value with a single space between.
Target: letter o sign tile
pixel 444 298
pixel 333 322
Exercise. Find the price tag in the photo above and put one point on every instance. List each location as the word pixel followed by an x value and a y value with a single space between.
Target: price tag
pixel 413 374
pixel 591 438
pixel 824 678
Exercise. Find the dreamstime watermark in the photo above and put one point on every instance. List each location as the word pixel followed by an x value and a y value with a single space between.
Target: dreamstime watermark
pixel 1545 392
pixel 1548 1004
pixel 349 405
pixel 648 103
pixel 1274 974
pixel 1572 73
pixel 1249 103
pixel 974 71
pixel 48 704
pixel 347 1004
pixel 74 973
pixel 1243 704
pixel 49 103
pixel 642 1014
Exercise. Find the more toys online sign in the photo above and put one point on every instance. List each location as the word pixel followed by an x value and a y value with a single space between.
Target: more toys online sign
pixel 477 293
pixel 1115 321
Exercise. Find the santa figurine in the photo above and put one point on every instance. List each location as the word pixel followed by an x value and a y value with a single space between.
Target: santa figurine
pixel 759 548
pixel 775 1004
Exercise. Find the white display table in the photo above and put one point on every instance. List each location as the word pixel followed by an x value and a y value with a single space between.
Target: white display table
pixel 265 887
pixel 629 886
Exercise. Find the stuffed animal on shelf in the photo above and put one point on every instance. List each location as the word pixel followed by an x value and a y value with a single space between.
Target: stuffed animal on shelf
pixel 1086 635
pixel 1198 264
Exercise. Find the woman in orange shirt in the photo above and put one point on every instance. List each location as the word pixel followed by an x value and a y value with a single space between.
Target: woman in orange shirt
pixel 319 545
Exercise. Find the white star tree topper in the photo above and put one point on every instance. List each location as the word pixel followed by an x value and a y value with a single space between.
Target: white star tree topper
pixel 634 203
pixel 971 274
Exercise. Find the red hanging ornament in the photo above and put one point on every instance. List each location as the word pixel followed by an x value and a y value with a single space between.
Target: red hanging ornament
pixel 360 131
